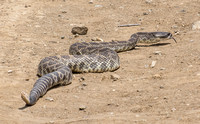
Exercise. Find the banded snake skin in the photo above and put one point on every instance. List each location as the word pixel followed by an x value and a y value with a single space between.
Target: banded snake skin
pixel 85 57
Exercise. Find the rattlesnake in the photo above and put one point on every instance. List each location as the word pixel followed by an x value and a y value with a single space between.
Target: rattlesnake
pixel 85 57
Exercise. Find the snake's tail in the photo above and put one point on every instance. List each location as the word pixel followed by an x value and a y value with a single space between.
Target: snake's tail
pixel 62 76
pixel 25 98
pixel 40 87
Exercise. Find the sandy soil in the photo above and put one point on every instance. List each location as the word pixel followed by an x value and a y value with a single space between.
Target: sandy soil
pixel 168 93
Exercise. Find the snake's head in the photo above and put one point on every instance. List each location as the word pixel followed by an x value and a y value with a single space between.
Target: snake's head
pixel 163 35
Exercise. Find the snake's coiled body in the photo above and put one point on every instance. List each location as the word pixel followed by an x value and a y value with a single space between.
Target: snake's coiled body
pixel 85 57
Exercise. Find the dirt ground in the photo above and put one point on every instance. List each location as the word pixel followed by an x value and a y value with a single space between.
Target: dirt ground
pixel 167 93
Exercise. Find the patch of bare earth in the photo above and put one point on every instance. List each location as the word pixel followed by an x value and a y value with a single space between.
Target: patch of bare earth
pixel 167 93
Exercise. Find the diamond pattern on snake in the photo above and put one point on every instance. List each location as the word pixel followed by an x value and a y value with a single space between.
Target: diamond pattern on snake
pixel 85 57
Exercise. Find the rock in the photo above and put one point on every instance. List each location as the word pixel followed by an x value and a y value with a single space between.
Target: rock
pixel 62 37
pixel 155 98
pixel 49 99
pixel 157 53
pixel 114 77
pixel 137 115
pixel 91 2
pixel 191 40
pixel 79 30
pixel 26 79
pixel 142 28
pixel 10 71
pixel 162 68
pixel 97 39
pixel 174 26
pixel 153 64
pixel 146 66
pixel 82 107
pixel 173 109
pixel 161 87
pixel 157 76
pixel 51 122
pixel 81 79
pixel 148 1
pixel 84 84
pixel 196 25
pixel 183 10
pixel 98 6
pixel 76 35
pixel 145 13
pixel 26 6
pixel 64 11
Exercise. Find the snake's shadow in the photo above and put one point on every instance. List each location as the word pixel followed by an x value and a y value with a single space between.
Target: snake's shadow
pixel 152 45
pixel 24 107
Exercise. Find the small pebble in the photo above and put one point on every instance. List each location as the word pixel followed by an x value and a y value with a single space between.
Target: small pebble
pixel 155 98
pixel 148 1
pixel 111 113
pixel 137 116
pixel 98 6
pixel 64 11
pixel 153 64
pixel 157 53
pixel 145 13
pixel 51 122
pixel 191 40
pixel 82 107
pixel 142 28
pixel 161 87
pixel 165 98
pixel 26 79
pixel 91 2
pixel 174 26
pixel 173 109
pixel 146 66
pixel 157 76
pixel 183 10
pixel 76 35
pixel 10 71
pixel 26 6
pixel 62 37
pixel 84 84
pixel 97 39
pixel 49 99
pixel 81 79
pixel 196 25
pixel 190 66
pixel 114 77
pixel 162 68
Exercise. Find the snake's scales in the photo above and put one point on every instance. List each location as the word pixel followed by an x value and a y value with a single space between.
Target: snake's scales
pixel 85 57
